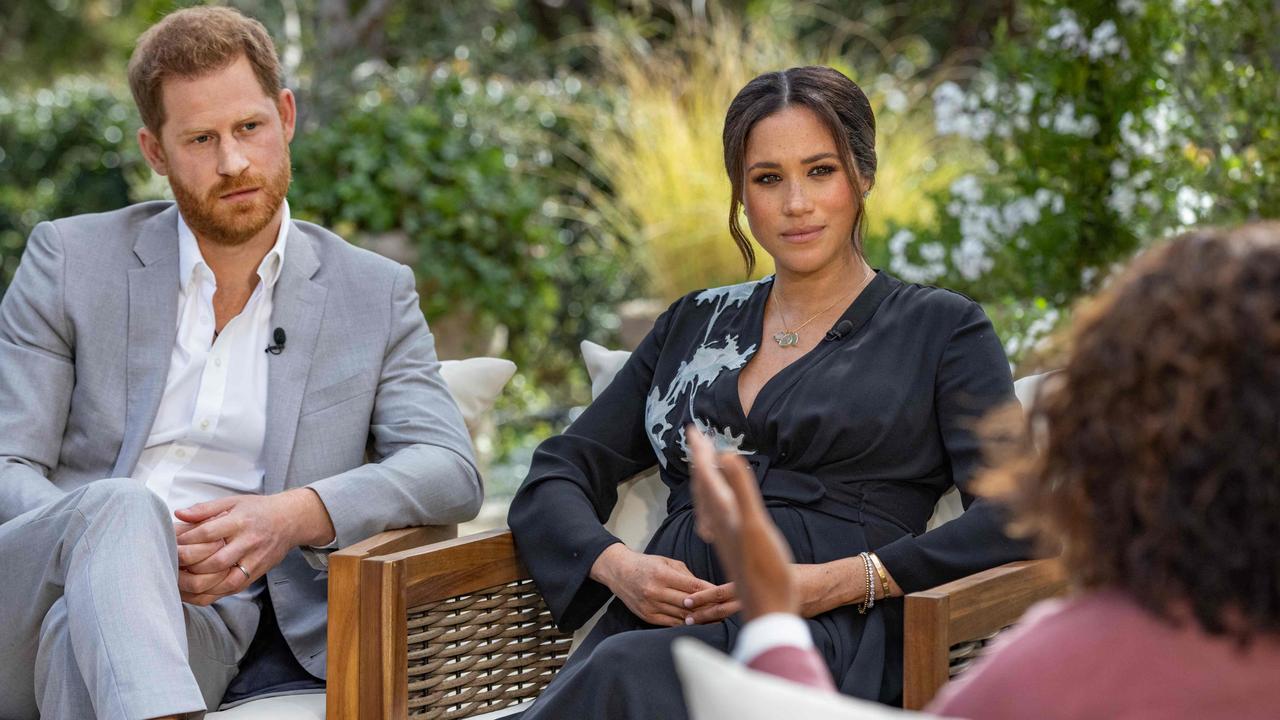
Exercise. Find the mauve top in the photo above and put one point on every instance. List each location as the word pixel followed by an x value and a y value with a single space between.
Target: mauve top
pixel 1100 655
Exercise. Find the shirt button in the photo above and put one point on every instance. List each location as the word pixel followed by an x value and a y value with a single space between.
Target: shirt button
pixel 181 453
pixel 217 362
pixel 204 424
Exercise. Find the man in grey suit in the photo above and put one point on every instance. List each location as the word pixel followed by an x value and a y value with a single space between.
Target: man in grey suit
pixel 189 395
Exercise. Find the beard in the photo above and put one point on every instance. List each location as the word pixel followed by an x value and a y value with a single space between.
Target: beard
pixel 231 224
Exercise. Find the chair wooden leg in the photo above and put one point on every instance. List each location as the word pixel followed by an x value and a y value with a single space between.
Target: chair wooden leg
pixel 925 650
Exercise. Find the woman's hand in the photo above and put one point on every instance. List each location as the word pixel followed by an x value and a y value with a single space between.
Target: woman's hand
pixel 730 515
pixel 816 589
pixel 651 586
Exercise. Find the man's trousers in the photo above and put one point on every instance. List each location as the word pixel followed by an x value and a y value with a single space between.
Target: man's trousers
pixel 91 623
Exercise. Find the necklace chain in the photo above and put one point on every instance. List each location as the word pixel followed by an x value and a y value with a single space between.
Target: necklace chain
pixel 791 338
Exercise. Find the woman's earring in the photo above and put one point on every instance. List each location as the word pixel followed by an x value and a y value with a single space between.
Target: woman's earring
pixel 866 194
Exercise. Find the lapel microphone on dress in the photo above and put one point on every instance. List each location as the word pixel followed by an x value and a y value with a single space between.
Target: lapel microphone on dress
pixel 842 328
pixel 278 347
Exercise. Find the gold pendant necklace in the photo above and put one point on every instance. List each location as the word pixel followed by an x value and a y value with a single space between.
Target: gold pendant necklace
pixel 791 338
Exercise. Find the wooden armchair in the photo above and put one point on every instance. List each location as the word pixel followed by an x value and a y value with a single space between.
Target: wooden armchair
pixel 456 629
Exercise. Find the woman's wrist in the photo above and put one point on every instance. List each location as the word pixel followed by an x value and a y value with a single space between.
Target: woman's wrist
pixel 830 585
pixel 886 587
pixel 604 569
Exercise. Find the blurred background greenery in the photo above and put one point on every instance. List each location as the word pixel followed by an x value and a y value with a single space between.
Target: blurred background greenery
pixel 541 163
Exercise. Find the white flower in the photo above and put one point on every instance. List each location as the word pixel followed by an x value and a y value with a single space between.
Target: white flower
pixel 1191 204
pixel 895 100
pixel 1122 201
pixel 899 242
pixel 1066 122
pixel 957 113
pixel 933 252
pixel 948 105
pixel 1026 97
pixel 1044 196
pixel 970 258
pixel 1066 31
pixel 967 187
pixel 1021 212
pixel 1106 41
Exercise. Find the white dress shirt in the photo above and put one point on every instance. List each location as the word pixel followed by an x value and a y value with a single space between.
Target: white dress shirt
pixel 206 442
pixel 768 632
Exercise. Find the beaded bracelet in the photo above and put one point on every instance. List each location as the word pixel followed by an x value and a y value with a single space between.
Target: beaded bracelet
pixel 869 600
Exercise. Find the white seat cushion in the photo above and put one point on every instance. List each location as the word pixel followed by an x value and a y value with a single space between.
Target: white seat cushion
pixel 717 688
pixel 285 707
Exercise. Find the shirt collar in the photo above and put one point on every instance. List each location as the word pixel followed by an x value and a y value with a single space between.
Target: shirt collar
pixel 191 260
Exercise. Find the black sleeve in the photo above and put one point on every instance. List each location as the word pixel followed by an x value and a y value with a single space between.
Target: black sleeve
pixel 973 378
pixel 557 515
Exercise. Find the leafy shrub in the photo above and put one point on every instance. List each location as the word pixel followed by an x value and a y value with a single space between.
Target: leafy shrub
pixel 430 163
pixel 64 150
pixel 1105 125
pixel 464 172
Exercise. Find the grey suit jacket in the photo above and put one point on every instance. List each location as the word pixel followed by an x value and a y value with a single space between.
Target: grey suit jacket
pixel 86 332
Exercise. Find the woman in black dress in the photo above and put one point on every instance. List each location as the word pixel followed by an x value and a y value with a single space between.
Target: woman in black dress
pixel 852 395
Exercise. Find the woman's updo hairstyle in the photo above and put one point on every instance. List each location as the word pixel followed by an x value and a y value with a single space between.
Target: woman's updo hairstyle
pixel 837 101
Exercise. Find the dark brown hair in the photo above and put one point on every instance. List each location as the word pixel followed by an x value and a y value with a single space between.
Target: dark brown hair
pixel 837 101
pixel 1158 463
pixel 191 43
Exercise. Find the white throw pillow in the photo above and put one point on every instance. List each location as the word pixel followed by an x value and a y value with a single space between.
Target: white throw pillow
pixel 718 688
pixel 642 500
pixel 475 384
pixel 949 506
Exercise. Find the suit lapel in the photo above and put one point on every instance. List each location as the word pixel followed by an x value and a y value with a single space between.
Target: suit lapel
pixel 153 328
pixel 297 307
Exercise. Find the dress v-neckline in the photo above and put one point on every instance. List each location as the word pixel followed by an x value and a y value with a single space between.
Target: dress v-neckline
pixel 859 310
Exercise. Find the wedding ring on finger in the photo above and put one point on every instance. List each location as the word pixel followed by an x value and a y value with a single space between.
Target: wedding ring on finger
pixel 247 576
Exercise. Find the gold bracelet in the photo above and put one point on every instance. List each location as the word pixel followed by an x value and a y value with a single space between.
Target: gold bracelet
pixel 882 573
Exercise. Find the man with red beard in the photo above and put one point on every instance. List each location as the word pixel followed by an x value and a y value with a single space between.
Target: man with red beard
pixel 198 400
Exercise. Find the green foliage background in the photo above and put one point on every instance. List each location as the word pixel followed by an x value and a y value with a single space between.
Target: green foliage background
pixel 524 157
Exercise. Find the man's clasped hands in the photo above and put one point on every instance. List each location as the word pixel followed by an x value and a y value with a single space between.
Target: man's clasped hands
pixel 226 544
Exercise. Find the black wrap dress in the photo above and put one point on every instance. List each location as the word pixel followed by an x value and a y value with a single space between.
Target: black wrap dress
pixel 853 444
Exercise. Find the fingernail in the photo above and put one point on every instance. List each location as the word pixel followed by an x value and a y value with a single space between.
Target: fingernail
pixel 688 602
pixel 688 620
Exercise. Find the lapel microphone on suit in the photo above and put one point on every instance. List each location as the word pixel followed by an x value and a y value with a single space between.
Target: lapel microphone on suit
pixel 278 336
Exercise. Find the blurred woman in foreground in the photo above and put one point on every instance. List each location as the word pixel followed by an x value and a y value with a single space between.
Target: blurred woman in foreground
pixel 1157 476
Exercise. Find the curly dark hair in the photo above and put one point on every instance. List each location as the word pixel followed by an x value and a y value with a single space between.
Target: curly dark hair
pixel 1158 462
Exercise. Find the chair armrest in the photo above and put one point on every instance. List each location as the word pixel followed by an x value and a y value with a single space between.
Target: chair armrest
pixel 967 609
pixel 453 629
pixel 344 631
